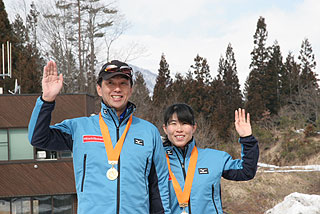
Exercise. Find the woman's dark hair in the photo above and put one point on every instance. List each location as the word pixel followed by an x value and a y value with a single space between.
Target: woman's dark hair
pixel 184 113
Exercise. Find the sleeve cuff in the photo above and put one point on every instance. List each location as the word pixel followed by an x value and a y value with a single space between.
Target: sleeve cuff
pixel 46 101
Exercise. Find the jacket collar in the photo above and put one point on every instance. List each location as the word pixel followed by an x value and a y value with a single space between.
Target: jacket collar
pixel 110 113
pixel 188 148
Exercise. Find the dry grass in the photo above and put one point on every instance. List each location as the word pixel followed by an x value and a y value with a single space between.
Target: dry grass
pixel 266 190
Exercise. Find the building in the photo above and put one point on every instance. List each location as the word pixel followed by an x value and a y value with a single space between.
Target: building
pixel 34 181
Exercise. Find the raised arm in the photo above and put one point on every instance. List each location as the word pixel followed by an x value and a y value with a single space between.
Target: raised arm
pixel 51 82
pixel 246 167
pixel 40 134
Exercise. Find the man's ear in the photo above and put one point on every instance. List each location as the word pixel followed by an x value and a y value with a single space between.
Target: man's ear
pixel 99 90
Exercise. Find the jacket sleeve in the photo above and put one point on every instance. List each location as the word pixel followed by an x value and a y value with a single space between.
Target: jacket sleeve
pixel 44 136
pixel 244 169
pixel 158 180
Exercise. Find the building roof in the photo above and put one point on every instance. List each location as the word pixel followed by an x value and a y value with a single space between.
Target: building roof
pixel 15 110
pixel 36 178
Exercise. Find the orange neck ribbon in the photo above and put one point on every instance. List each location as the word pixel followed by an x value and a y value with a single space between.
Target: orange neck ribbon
pixel 183 197
pixel 113 154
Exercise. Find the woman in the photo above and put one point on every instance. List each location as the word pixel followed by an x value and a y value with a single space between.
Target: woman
pixel 195 174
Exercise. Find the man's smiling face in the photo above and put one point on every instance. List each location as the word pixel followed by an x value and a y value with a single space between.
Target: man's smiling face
pixel 115 92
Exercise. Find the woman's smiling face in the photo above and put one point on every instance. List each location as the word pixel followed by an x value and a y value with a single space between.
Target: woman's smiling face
pixel 179 133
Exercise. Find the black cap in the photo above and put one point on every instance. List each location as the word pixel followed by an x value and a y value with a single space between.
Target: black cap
pixel 114 68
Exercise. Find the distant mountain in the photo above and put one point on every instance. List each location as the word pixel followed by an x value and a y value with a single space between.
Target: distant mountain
pixel 149 77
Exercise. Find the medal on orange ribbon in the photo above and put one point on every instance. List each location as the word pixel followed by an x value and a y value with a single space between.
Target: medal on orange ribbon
pixel 183 197
pixel 112 173
pixel 112 153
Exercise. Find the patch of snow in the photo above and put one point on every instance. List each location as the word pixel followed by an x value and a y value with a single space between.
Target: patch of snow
pixel 300 131
pixel 273 168
pixel 297 203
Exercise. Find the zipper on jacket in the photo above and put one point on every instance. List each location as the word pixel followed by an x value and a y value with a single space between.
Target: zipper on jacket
pixel 184 153
pixel 84 171
pixel 214 203
pixel 118 179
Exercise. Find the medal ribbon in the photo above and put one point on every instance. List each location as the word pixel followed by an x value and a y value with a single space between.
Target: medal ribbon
pixel 183 197
pixel 113 154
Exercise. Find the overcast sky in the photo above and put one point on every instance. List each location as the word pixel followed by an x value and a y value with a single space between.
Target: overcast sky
pixel 181 29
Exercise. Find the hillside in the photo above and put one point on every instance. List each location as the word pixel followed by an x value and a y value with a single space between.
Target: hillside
pixel 269 188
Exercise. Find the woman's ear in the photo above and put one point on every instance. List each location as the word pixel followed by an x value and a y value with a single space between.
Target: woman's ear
pixel 194 128
pixel 164 129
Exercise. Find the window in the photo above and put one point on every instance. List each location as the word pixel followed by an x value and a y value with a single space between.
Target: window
pixel 21 206
pixel 19 145
pixel 42 205
pixel 3 144
pixel 4 206
pixel 62 204
pixel 15 145
pixel 51 204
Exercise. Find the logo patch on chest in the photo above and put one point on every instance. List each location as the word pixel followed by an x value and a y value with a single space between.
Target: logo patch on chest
pixel 92 138
pixel 138 142
pixel 203 171
pixel 169 152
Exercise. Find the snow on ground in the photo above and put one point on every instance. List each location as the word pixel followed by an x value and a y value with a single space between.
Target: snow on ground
pixel 297 203
pixel 262 167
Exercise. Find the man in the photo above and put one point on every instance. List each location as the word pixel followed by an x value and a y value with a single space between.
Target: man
pixel 106 182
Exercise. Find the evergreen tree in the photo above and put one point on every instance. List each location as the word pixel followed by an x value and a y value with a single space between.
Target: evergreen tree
pixel 29 63
pixel 5 35
pixel 201 70
pixel 140 96
pixel 161 93
pixel 226 94
pixel 289 80
pixel 219 115
pixel 199 89
pixel 163 81
pixel 179 89
pixel 255 103
pixel 308 77
pixel 231 83
pixel 272 83
pixel 6 30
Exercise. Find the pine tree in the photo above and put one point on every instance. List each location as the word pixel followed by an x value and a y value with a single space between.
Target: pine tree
pixel 219 115
pixel 227 91
pixel 163 81
pixel 161 92
pixel 6 30
pixel 201 70
pixel 255 103
pixel 290 80
pixel 231 83
pixel 140 96
pixel 178 89
pixel 28 62
pixel 199 89
pixel 272 83
pixel 308 77
pixel 5 35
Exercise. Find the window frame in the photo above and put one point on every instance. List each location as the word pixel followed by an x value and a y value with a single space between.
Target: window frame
pixel 58 154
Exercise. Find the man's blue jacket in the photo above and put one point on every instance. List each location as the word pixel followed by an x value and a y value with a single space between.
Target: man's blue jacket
pixel 142 185
pixel 211 165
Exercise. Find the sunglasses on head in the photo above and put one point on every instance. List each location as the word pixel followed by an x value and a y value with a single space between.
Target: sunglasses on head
pixel 123 69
